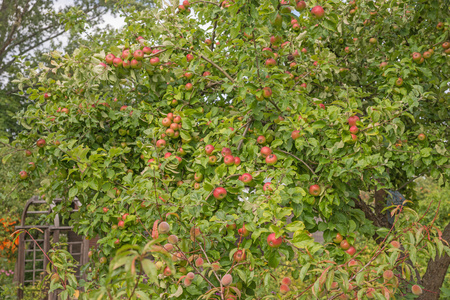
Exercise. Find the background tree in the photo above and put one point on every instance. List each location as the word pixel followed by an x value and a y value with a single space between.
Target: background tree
pixel 163 134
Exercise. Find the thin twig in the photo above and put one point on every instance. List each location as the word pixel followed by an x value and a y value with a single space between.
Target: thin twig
pixel 243 135
pixel 298 160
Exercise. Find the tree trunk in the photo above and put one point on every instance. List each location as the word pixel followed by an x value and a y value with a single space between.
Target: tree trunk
pixel 436 271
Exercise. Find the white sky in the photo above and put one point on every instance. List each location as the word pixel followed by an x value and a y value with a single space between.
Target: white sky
pixel 108 19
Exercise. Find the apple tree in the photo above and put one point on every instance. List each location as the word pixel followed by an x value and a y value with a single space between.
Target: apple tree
pixel 214 138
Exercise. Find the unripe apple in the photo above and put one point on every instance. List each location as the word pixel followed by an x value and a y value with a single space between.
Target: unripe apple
pixel 345 245
pixel 199 262
pixel 163 227
pixel 261 140
pixel 284 289
pixel 338 238
pixel 440 26
pixel 286 281
pixel 219 193
pixel 198 177
pixel 421 137
pixel 267 92
pixel 243 231
pixel 188 75
pixel 388 275
pixel 187 282
pixel 274 242
pixel 395 244
pixel 226 280
pixel 399 82
pixel 215 266
pixel 416 290
pixel 31 166
pixel 239 256
pixel 373 40
pixel 212 160
pixel 318 12
pixel 266 51
pixel 314 190
pixel 295 134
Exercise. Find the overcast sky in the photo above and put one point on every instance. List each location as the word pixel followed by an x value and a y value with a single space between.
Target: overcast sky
pixel 115 22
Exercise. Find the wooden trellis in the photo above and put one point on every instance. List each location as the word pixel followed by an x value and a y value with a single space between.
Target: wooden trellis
pixel 31 261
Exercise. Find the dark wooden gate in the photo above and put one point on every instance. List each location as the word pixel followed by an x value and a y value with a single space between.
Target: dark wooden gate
pixel 31 262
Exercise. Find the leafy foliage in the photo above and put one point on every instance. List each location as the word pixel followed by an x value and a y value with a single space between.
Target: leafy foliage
pixel 144 142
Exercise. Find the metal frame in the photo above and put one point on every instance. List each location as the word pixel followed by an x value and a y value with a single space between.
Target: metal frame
pixel 81 244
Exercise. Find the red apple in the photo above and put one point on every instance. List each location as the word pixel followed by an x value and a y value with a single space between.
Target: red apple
pixel 109 58
pixel 271 159
pixel 318 12
pixel 239 256
pixel 246 178
pixel 345 245
pixel 301 5
pixel 188 87
pixel 154 61
pixel 351 251
pixel 274 242
pixel 228 160
pixel 209 149
pixel 295 134
pixel 219 193
pixel 265 151
pixel 314 190
pixel 267 187
pixel 270 62
pixel 23 175
pixel 160 144
pixel 352 120
pixel 237 161
pixel 267 92
pixel 40 143
pixel 353 129
pixel 261 140
pixel 189 57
